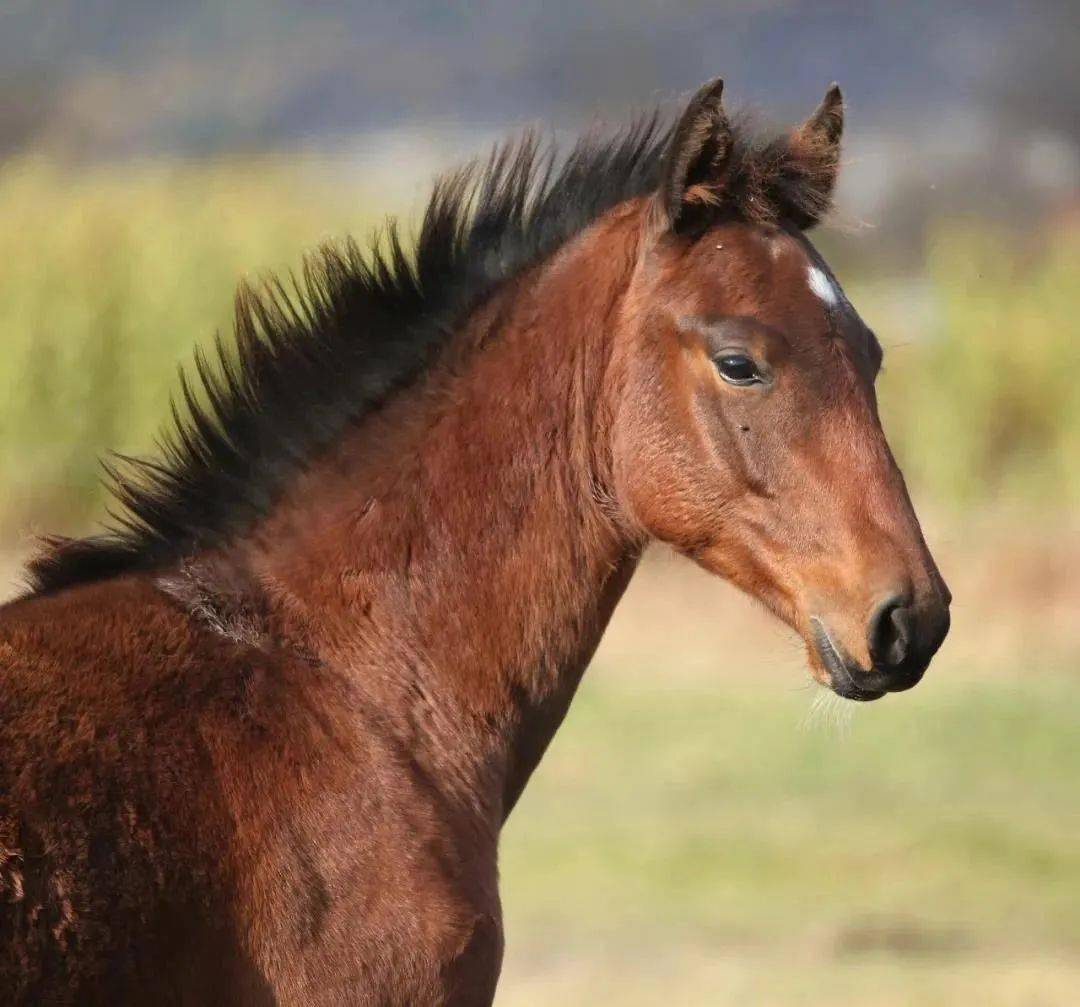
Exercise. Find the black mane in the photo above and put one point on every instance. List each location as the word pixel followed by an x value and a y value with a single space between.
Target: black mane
pixel 353 330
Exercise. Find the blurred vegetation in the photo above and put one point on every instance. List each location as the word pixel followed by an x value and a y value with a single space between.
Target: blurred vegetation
pixel 985 406
pixel 112 275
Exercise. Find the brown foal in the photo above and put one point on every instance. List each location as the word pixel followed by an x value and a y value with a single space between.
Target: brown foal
pixel 259 740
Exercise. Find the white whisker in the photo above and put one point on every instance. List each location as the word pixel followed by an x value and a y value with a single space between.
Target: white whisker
pixel 830 711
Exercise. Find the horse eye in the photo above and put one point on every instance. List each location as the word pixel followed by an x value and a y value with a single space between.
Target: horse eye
pixel 737 369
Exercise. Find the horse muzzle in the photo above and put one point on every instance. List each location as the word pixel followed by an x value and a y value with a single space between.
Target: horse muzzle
pixel 901 641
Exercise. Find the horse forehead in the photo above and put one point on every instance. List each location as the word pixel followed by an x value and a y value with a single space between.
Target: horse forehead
pixel 782 265
pixel 804 265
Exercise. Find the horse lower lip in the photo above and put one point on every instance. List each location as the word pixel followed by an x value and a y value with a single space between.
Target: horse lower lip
pixel 841 679
pixel 869 685
pixel 856 694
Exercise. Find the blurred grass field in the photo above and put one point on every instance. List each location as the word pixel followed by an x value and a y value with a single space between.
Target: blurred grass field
pixel 704 830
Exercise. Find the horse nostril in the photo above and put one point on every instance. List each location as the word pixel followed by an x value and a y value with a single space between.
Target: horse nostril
pixel 890 632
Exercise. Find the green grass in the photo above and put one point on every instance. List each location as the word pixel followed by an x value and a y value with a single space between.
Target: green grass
pixel 713 832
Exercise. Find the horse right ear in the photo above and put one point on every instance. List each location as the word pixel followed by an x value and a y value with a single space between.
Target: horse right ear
pixel 696 158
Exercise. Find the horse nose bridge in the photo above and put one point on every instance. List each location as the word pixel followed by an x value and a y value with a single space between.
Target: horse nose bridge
pixel 892 550
pixel 870 532
pixel 851 447
pixel 879 540
pixel 879 490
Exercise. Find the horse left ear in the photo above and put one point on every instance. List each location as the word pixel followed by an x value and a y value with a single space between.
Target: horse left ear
pixel 696 158
pixel 814 161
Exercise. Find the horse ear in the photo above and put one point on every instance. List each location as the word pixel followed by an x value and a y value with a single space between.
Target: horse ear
pixel 693 169
pixel 826 125
pixel 814 154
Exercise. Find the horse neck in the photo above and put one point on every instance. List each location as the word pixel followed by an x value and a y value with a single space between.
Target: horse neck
pixel 461 554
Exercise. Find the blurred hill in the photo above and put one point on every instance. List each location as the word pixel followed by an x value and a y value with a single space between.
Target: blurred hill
pixel 144 75
pixel 973 106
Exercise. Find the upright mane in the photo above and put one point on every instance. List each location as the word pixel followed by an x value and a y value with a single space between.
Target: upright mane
pixel 316 355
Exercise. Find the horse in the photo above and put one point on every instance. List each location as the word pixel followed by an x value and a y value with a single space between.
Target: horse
pixel 259 736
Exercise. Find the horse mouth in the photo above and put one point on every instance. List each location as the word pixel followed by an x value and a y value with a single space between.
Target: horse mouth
pixel 841 680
